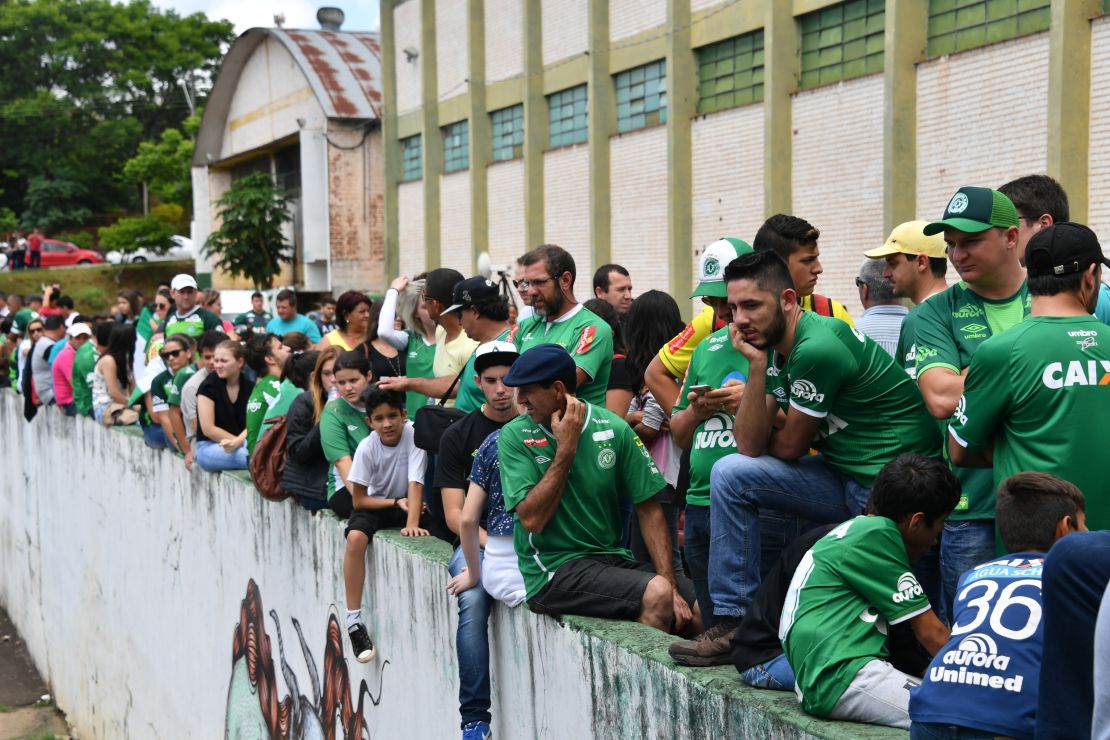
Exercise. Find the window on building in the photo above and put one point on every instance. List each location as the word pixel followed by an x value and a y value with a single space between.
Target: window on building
pixel 958 25
pixel 566 111
pixel 456 146
pixel 412 159
pixel 642 96
pixel 842 41
pixel 508 133
pixel 730 72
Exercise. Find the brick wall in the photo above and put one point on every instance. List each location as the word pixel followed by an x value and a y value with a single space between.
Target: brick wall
pixel 1098 214
pixel 454 222
pixel 564 29
pixel 451 47
pixel 355 211
pixel 504 39
pixel 838 177
pixel 629 17
pixel 567 209
pixel 638 171
pixel 506 212
pixel 406 30
pixel 410 208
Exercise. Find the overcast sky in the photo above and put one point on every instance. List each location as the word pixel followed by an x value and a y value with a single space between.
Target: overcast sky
pixel 362 15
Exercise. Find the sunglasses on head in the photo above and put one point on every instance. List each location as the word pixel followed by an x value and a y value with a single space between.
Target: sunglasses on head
pixel 171 353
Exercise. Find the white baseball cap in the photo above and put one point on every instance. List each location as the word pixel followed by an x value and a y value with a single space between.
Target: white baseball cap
pixel 78 329
pixel 182 281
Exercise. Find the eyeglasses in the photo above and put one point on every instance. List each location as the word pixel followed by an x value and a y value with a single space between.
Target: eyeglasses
pixel 860 283
pixel 171 353
pixel 526 284
pixel 37 330
pixel 161 306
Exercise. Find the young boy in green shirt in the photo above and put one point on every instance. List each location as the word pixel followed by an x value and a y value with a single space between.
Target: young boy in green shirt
pixel 343 426
pixel 266 355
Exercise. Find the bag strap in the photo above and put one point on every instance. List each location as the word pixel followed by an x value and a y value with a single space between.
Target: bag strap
pixel 443 400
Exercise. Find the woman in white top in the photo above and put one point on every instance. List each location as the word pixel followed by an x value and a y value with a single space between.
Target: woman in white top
pixel 113 379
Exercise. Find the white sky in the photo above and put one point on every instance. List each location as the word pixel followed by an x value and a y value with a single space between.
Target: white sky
pixel 362 15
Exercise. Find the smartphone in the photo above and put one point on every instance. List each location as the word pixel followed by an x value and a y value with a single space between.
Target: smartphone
pixel 701 390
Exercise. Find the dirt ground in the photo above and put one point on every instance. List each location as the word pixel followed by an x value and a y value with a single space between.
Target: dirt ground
pixel 23 712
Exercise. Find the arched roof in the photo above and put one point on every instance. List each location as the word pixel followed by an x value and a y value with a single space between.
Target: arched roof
pixel 343 68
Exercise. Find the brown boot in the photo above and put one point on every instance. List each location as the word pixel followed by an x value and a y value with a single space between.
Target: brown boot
pixel 709 648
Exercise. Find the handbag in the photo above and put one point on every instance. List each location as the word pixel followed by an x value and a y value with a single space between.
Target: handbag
pixel 267 461
pixel 433 420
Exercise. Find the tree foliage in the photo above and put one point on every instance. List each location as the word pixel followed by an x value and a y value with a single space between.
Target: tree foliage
pixel 154 232
pixel 164 166
pixel 250 242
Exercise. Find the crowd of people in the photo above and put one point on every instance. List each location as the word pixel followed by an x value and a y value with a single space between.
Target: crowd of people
pixel 868 513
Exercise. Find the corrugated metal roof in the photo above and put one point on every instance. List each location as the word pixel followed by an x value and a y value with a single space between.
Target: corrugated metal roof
pixel 344 69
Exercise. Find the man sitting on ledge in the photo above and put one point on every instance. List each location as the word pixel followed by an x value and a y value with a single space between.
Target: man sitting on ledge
pixel 563 468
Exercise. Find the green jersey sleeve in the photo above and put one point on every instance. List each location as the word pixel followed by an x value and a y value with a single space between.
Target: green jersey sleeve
pixel 594 348
pixel 519 470
pixel 211 321
pixel 987 395
pixel 333 435
pixel 640 476
pixel 159 395
pixel 819 365
pixel 256 408
pixel 879 570
pixel 934 344
pixel 690 380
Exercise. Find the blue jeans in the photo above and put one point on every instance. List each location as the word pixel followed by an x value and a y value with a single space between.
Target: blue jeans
pixel 743 487
pixel 963 545
pixel 472 647
pixel 937 731
pixel 155 438
pixel 775 673
pixel 211 457
pixel 696 546
pixel 927 570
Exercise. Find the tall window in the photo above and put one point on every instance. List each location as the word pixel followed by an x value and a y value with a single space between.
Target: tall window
pixel 566 112
pixel 842 41
pixel 412 158
pixel 456 146
pixel 642 96
pixel 957 25
pixel 730 72
pixel 508 133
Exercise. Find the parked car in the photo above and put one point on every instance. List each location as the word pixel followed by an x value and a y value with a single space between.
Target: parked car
pixel 182 249
pixel 56 253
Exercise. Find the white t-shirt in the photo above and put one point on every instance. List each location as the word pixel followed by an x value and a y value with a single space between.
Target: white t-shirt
pixel 387 471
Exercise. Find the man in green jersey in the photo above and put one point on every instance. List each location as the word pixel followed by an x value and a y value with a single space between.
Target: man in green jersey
pixel 83 363
pixel 548 285
pixel 253 323
pixel 484 315
pixel 188 318
pixel 854 583
pixel 266 355
pixel 813 382
pixel 564 467
pixel 1036 396
pixel 980 228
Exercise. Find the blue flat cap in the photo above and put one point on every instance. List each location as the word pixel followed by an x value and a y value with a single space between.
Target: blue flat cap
pixel 540 364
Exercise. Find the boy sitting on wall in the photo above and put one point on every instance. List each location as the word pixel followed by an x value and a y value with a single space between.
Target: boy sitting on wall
pixel 387 487
pixel 985 681
pixel 855 582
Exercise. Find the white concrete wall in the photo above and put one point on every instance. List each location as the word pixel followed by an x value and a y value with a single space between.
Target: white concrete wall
pixel 838 177
pixel 1098 214
pixel 410 209
pixel 451 46
pixel 638 193
pixel 981 119
pixel 564 29
pixel 566 190
pixel 132 582
pixel 454 222
pixel 630 17
pixel 504 39
pixel 406 30
pixel 506 212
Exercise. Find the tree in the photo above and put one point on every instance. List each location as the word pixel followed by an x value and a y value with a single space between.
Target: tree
pixel 153 232
pixel 164 165
pixel 250 242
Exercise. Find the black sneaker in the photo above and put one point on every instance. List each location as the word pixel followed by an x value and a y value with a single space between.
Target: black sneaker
pixel 361 643
pixel 709 648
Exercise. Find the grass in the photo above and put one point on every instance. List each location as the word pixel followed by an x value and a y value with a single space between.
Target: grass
pixel 7 708
pixel 93 288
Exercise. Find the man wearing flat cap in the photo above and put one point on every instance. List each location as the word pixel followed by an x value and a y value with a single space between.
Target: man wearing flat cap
pixel 1037 397
pixel 564 466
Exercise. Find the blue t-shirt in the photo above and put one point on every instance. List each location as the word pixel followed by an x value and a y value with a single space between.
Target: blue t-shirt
pixel 987 676
pixel 486 472
pixel 300 323
pixel 1102 308
pixel 57 349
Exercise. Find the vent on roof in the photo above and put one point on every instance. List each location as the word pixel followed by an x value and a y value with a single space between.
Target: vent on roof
pixel 330 19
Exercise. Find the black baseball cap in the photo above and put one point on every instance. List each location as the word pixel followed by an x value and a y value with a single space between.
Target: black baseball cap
pixel 471 291
pixel 541 364
pixel 440 282
pixel 1063 249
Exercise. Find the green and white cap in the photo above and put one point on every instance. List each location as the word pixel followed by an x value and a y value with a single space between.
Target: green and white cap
pixel 714 260
pixel 972 210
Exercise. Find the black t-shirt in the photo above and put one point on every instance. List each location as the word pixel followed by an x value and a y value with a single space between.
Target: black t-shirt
pixel 459 445
pixel 619 379
pixel 231 417
pixel 382 366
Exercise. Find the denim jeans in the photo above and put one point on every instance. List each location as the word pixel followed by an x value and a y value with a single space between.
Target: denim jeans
pixel 963 545
pixel 472 647
pixel 211 457
pixel 696 546
pixel 741 489
pixel 70 409
pixel 927 570
pixel 155 438
pixel 937 731
pixel 775 674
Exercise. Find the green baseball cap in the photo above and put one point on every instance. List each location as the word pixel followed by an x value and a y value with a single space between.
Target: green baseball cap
pixel 972 210
pixel 712 264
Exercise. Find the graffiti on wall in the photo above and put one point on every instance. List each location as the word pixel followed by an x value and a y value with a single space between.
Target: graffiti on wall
pixel 254 709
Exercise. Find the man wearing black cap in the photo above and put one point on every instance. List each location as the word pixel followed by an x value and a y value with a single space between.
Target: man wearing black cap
pixel 1036 396
pixel 564 466
pixel 484 314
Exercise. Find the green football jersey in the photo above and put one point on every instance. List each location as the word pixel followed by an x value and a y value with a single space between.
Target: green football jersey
pixel 871 409
pixel 249 323
pixel 611 461
pixel 470 396
pixel 165 389
pixel 83 363
pixel 287 393
pixel 854 582
pixel 342 427
pixel 588 339
pixel 418 364
pixel 712 362
pixel 179 382
pixel 265 392
pixel 948 330
pixel 192 324
pixel 1038 394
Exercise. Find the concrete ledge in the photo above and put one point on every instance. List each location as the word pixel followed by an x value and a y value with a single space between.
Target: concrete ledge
pixel 162 604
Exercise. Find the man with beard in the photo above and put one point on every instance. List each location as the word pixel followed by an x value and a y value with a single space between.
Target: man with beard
pixel 814 382
pixel 548 285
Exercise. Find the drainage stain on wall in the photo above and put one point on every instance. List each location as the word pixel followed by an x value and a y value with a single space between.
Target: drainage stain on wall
pixel 254 709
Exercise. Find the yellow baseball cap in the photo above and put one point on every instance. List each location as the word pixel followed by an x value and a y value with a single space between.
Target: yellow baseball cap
pixel 909 238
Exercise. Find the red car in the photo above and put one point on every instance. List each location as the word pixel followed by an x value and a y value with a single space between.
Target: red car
pixel 57 253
